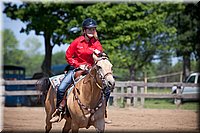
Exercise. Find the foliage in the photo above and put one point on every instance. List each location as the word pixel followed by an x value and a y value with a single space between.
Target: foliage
pixel 14 56
pixel 187 24
pixel 11 54
pixel 32 64
pixel 132 34
pixel 58 58
pixel 32 58
pixel 32 44
pixel 45 19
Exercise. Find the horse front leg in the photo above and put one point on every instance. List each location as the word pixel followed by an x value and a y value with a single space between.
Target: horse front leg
pixel 100 125
pixel 67 126
pixel 74 127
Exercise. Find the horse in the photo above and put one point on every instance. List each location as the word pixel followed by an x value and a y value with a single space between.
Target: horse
pixel 86 103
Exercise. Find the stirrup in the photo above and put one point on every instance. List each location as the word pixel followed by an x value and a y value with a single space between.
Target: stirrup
pixel 57 116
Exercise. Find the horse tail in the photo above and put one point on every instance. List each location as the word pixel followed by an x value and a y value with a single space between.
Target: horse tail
pixel 43 85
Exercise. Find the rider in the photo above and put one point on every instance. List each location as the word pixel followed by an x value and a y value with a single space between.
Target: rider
pixel 78 55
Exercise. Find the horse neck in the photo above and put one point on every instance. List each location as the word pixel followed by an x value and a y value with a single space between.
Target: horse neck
pixel 89 91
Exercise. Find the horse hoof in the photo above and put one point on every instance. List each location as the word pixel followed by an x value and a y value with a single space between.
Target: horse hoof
pixel 107 121
pixel 55 119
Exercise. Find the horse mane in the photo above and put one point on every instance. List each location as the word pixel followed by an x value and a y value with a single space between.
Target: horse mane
pixel 103 55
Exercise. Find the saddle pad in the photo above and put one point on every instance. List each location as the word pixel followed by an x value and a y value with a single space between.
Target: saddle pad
pixel 56 80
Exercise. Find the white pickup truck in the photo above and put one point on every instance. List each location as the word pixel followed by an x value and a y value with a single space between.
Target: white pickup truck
pixel 192 78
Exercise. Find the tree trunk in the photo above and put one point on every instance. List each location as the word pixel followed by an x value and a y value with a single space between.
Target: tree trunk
pixel 186 65
pixel 132 73
pixel 46 65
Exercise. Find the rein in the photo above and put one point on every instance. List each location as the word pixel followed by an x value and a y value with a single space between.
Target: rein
pixel 99 103
pixel 92 111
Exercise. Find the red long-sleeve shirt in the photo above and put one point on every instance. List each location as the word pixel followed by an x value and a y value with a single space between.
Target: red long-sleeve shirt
pixel 80 51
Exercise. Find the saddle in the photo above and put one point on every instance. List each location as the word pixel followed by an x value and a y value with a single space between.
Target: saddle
pixel 56 80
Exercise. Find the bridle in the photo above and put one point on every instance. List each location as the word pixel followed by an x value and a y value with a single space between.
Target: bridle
pixel 100 73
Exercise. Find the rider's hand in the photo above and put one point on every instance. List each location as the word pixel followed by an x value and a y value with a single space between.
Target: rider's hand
pixel 84 67
pixel 97 52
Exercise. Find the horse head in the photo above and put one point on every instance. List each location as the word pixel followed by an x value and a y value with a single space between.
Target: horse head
pixel 104 70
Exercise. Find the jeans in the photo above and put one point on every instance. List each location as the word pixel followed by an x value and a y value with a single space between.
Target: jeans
pixel 107 94
pixel 67 80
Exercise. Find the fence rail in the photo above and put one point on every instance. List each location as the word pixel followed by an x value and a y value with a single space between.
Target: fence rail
pixel 129 90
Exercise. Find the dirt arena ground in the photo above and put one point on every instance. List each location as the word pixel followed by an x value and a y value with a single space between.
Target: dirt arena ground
pixel 24 119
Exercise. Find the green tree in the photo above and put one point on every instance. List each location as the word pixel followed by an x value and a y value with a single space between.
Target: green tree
pixel 32 63
pixel 32 45
pixel 132 33
pixel 11 54
pixel 187 25
pixel 45 19
pixel 33 58
pixel 59 58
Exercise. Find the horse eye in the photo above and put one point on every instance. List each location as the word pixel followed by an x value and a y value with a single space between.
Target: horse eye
pixel 99 67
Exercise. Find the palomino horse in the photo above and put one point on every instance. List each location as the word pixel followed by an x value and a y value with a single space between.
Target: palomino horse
pixel 86 102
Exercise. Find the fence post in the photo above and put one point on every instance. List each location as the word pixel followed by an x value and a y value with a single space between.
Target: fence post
pixel 122 98
pixel 128 99
pixel 135 98
pixel 178 100
pixel 145 81
pixel 142 98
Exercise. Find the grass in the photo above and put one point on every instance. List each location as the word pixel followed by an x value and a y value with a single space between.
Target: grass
pixel 168 104
pixel 162 103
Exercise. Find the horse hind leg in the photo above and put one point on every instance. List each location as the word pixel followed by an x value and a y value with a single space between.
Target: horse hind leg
pixel 49 111
pixel 48 128
pixel 48 125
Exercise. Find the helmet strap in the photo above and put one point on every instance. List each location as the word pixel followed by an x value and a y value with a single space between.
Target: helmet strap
pixel 88 38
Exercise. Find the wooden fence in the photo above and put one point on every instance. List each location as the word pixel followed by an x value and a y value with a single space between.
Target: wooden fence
pixel 129 91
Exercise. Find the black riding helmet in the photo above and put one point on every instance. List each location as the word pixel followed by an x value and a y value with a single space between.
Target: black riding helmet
pixel 89 23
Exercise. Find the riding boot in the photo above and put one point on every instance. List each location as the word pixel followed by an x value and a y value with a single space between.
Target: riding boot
pixel 106 118
pixel 61 92
pixel 58 115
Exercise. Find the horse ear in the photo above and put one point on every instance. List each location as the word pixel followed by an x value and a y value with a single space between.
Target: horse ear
pixel 95 57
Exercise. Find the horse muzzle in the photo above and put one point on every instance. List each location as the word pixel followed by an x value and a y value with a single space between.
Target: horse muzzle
pixel 111 85
pixel 110 82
